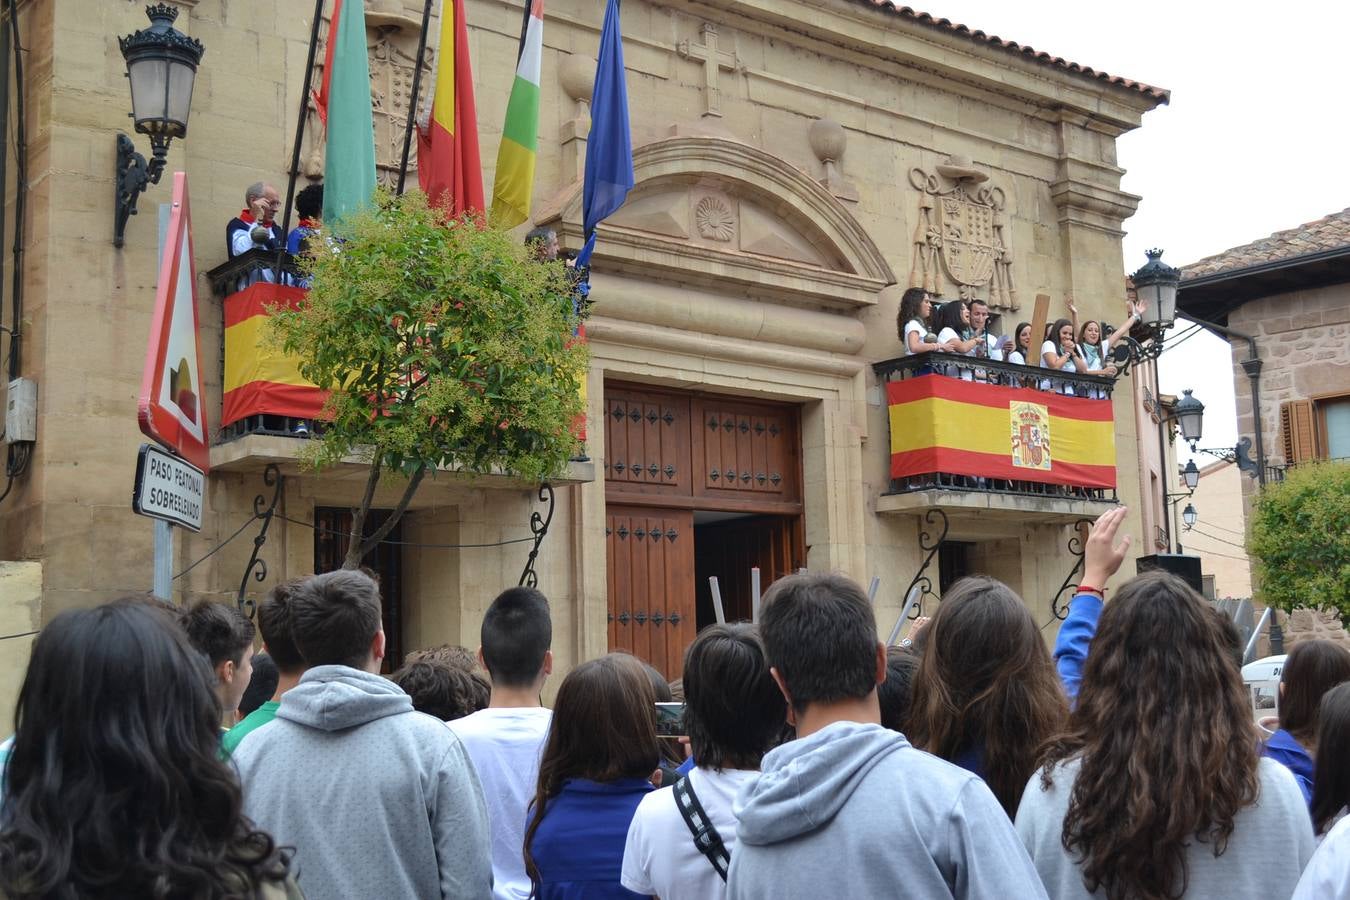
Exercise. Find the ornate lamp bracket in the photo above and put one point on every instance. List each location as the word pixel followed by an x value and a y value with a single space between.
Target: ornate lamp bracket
pixel 263 511
pixel 1076 546
pixel 539 523
pixel 932 532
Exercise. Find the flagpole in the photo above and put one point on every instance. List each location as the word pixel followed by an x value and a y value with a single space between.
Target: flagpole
pixel 416 86
pixel 299 135
pixel 524 30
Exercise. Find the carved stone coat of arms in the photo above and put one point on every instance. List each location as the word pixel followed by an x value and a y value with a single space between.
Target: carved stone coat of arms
pixel 963 233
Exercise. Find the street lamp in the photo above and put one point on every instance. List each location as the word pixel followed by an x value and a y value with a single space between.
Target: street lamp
pixel 161 66
pixel 1191 475
pixel 1190 414
pixel 1156 286
pixel 1189 515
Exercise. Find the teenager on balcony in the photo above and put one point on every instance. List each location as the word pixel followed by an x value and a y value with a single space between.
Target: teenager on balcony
pixel 914 323
pixel 1060 351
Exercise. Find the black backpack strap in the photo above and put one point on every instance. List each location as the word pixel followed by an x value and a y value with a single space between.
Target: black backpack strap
pixel 706 838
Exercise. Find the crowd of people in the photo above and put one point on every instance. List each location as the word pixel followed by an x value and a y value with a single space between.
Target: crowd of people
pixel 814 761
pixel 963 327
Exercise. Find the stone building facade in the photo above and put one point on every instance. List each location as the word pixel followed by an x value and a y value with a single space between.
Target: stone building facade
pixel 1290 292
pixel 792 160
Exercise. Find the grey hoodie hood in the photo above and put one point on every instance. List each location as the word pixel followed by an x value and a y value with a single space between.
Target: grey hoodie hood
pixel 332 698
pixel 804 783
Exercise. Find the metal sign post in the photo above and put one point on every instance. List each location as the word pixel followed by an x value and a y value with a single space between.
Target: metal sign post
pixel 163 560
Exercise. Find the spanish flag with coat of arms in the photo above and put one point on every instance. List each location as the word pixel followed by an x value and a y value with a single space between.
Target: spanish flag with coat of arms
pixel 944 424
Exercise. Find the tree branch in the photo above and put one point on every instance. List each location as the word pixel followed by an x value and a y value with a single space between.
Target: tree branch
pixel 380 533
pixel 356 549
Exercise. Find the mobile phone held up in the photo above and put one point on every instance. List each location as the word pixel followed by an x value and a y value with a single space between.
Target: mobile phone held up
pixel 670 720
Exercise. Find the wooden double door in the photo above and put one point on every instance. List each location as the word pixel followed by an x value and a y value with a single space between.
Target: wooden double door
pixel 671 460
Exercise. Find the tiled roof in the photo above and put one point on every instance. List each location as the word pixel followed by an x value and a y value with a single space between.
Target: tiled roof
pixel 1161 95
pixel 1327 233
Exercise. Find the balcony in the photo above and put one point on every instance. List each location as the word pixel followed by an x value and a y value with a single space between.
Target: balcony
pixel 1000 443
pixel 268 409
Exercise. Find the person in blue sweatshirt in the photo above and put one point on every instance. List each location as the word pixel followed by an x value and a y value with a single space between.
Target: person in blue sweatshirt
pixel 1311 669
pixel 597 765
pixel 849 808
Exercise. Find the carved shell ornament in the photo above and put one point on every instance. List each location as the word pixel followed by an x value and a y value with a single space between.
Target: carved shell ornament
pixel 714 219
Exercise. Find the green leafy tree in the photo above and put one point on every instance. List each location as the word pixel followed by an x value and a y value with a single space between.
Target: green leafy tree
pixel 446 345
pixel 1300 539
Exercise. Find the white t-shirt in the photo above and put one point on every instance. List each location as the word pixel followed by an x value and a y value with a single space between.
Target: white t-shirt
pixel 913 326
pixel 1015 356
pixel 1328 872
pixel 660 857
pixel 505 746
pixel 949 334
pixel 1050 347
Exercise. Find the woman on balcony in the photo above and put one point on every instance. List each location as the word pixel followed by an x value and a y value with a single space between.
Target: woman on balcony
pixel 1060 351
pixel 953 320
pixel 1021 345
pixel 915 322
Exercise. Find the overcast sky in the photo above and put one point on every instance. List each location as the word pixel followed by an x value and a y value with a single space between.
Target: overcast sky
pixel 1254 140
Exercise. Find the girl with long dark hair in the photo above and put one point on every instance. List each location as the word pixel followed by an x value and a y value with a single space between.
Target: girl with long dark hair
pixel 115 787
pixel 600 754
pixel 1311 669
pixel 1156 789
pixel 914 322
pixel 1328 874
pixel 1021 345
pixel 986 695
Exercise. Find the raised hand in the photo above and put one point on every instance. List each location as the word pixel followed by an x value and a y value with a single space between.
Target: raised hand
pixel 1102 556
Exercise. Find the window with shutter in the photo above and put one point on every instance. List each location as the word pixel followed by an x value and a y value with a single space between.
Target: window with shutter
pixel 1298 428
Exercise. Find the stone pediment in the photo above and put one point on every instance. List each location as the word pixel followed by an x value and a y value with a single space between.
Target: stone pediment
pixel 717 212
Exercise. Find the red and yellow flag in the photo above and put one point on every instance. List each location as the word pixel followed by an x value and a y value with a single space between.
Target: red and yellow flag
pixel 448 165
pixel 259 378
pixel 944 424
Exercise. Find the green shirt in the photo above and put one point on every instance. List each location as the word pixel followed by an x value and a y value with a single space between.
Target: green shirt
pixel 259 717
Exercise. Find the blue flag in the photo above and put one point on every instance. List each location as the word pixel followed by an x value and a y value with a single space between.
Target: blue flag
pixel 609 149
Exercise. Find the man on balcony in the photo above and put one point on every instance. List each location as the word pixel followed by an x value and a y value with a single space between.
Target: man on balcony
pixel 255 226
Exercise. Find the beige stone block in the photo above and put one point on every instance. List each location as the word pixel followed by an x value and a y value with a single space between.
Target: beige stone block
pixel 20 612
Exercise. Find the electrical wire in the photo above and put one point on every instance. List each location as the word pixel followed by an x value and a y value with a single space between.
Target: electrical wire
pixel 10 637
pixel 1215 537
pixel 331 531
pixel 212 552
pixel 336 532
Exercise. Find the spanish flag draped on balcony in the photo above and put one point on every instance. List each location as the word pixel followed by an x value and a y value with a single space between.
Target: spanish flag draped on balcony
pixel 260 378
pixel 514 182
pixel 956 427
pixel 448 165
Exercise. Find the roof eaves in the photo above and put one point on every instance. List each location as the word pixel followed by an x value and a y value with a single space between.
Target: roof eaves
pixel 1159 95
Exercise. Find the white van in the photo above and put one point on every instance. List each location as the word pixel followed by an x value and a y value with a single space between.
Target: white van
pixel 1262 680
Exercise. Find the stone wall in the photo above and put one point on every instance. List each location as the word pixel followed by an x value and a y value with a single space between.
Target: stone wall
pixel 1302 337
pixel 20 605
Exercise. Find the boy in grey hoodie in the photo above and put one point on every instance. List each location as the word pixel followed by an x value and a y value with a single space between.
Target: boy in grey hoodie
pixel 850 809
pixel 378 800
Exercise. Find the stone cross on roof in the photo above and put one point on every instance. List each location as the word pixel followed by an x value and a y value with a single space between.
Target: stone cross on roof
pixel 714 61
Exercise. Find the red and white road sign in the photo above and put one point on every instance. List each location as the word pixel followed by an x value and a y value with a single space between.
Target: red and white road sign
pixel 172 405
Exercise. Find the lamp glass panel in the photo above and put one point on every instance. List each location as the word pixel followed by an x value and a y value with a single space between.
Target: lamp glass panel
pixel 1148 295
pixel 1189 515
pixel 1191 475
pixel 181 78
pixel 1167 303
pixel 1192 424
pixel 149 78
